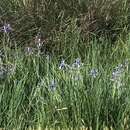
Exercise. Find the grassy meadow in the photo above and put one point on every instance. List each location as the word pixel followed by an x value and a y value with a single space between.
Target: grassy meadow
pixel 64 64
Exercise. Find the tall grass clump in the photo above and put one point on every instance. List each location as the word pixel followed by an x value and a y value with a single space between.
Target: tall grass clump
pixel 64 64
pixel 80 90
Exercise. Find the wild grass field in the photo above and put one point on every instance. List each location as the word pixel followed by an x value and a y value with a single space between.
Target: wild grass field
pixel 65 64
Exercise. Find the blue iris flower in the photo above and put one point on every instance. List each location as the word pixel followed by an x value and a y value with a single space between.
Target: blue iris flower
pixel 7 28
pixel 94 73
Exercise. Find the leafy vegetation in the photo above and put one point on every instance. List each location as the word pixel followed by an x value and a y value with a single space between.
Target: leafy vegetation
pixel 64 64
